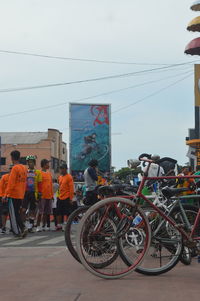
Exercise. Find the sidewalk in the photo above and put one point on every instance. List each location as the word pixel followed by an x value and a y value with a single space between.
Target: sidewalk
pixel 50 274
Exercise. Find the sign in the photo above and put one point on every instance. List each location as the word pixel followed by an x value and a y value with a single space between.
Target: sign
pixel 89 137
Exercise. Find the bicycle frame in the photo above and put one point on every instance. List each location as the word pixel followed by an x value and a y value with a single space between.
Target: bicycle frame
pixel 140 195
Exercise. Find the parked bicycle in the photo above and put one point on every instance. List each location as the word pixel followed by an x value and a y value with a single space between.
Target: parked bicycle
pixel 97 230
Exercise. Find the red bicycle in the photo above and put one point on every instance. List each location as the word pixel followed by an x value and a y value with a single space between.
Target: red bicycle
pixel 122 226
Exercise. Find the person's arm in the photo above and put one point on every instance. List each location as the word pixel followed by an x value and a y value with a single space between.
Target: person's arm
pixel 71 187
pixel 51 187
pixel 93 174
pixel 11 181
pixel 39 182
pixel 1 187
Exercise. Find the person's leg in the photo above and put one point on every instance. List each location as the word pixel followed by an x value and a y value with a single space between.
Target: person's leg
pixel 47 211
pixel 59 215
pixel 1 215
pixel 41 204
pixel 4 216
pixel 55 216
pixel 32 211
pixel 15 217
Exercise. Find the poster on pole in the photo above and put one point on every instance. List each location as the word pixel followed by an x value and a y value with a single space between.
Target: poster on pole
pixel 90 137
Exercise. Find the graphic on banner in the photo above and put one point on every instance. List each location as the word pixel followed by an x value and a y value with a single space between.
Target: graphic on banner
pixel 90 136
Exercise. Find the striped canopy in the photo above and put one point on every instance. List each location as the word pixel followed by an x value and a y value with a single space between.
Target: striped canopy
pixel 194 25
pixel 193 47
pixel 196 5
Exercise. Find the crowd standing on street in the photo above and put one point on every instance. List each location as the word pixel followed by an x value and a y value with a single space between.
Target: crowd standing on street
pixel 31 197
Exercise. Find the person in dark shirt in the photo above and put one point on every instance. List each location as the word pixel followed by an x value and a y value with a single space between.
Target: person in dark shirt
pixel 90 177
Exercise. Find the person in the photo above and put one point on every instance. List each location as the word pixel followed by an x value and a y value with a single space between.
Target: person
pixel 3 200
pixel 65 204
pixel 89 145
pixel 33 191
pixel 186 183
pixel 45 203
pixel 15 193
pixel 91 178
pixel 54 203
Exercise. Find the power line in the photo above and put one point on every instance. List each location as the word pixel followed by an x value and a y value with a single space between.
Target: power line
pixel 91 97
pixel 151 95
pixel 123 75
pixel 77 59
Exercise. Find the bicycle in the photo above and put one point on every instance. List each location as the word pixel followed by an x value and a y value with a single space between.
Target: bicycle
pixel 175 236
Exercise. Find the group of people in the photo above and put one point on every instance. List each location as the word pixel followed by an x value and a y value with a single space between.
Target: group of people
pixel 30 196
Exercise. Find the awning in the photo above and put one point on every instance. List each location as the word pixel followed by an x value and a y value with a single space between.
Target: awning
pixel 194 25
pixel 196 5
pixel 193 47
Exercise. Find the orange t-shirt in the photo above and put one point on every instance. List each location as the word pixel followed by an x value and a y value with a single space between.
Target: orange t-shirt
pixel 17 182
pixel 47 185
pixel 4 184
pixel 66 187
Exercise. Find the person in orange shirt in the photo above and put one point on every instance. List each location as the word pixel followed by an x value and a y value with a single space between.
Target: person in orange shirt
pixel 15 193
pixel 3 200
pixel 45 203
pixel 66 194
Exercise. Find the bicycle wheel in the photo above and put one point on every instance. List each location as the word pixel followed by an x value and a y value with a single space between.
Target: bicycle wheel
pixel 191 213
pixel 71 230
pixel 163 255
pixel 70 236
pixel 102 231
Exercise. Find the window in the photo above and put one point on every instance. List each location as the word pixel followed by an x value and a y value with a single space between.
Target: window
pixel 3 161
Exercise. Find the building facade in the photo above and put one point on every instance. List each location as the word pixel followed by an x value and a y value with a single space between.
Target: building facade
pixel 43 145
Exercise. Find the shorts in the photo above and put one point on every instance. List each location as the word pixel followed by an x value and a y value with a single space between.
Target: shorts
pixel 45 206
pixel 4 208
pixel 29 201
pixel 64 207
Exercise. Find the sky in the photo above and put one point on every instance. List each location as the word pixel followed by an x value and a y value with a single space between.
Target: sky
pixel 153 117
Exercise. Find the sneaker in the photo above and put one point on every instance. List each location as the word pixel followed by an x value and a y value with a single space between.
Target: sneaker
pixel 24 233
pixel 43 229
pixel 3 231
pixel 47 228
pixel 38 229
pixel 59 228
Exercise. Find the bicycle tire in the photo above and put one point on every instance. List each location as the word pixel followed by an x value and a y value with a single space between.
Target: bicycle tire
pixel 68 228
pixel 70 243
pixel 181 256
pixel 119 268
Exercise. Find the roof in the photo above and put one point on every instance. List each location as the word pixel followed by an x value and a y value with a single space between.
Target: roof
pixel 22 137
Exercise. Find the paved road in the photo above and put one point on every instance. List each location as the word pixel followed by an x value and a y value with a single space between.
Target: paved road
pixel 41 239
pixel 41 269
pixel 50 274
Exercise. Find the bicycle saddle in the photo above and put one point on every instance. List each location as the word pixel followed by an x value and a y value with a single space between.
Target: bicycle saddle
pixel 169 192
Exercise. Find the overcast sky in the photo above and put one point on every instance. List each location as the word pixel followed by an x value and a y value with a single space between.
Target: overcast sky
pixel 134 31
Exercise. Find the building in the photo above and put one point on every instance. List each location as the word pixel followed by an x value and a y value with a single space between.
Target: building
pixel 193 139
pixel 44 145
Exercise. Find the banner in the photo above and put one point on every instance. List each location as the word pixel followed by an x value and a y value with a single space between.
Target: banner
pixel 89 137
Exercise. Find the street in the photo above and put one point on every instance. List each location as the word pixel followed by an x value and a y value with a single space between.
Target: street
pixel 40 268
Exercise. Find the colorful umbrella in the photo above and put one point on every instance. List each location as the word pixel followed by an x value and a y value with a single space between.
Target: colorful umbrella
pixel 194 25
pixel 196 5
pixel 193 47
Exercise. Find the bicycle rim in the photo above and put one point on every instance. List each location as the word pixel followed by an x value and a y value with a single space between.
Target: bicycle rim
pixel 98 238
